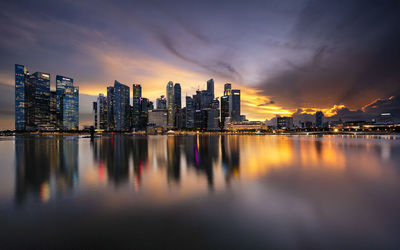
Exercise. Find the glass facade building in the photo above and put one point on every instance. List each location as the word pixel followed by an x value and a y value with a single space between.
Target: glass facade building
pixel 20 97
pixel 110 109
pixel 62 83
pixel 170 105
pixel 71 108
pixel 234 105
pixel 41 82
pixel 136 105
pixel 121 106
pixel 177 96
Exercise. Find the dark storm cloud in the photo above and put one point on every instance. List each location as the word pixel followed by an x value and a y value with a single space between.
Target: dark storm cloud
pixel 356 55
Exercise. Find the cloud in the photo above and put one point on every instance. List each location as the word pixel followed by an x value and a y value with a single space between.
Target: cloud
pixel 355 60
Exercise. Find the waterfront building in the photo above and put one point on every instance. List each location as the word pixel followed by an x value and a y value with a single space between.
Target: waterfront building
pixel 144 113
pixel 21 98
pixel 41 106
pixel 62 82
pixel 158 118
pixel 284 122
pixel 121 107
pixel 385 118
pixel 177 96
pixel 71 108
pixel 246 126
pixel 101 112
pixel 94 114
pixel 212 119
pixel 234 105
pixel 224 108
pixel 110 109
pixel 319 119
pixel 210 88
pixel 136 105
pixel 53 110
pixel 189 112
pixel 170 104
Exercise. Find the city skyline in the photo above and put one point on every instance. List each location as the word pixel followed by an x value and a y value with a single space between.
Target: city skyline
pixel 285 57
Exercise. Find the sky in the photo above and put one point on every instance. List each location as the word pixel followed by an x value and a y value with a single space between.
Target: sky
pixel 287 57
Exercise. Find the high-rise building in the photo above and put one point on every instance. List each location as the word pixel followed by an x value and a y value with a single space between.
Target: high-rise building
pixel 21 77
pixel 158 118
pixel 177 96
pixel 110 109
pixel 94 114
pixel 53 110
pixel 161 103
pixel 144 113
pixel 224 109
pixel 170 105
pixel 41 82
pixel 71 108
pixel 136 105
pixel 62 82
pixel 227 89
pixel 121 106
pixel 234 105
pixel 319 119
pixel 210 88
pixel 101 112
pixel 189 112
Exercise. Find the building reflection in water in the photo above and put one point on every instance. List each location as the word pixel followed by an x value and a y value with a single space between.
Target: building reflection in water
pixel 45 167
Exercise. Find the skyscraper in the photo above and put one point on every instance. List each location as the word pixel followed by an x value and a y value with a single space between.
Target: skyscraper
pixel 170 105
pixel 70 108
pixel 136 105
pixel 101 112
pixel 41 82
pixel 210 88
pixel 177 96
pixel 234 105
pixel 94 114
pixel 21 76
pixel 62 83
pixel 189 112
pixel 53 110
pixel 319 119
pixel 224 109
pixel 121 106
pixel 110 109
pixel 227 89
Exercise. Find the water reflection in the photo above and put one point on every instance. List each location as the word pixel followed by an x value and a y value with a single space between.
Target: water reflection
pixel 45 167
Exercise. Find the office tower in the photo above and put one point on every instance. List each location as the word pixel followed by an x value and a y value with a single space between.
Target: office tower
pixel 224 109
pixel 144 113
pixel 206 99
pixel 319 119
pixel 94 114
pixel 234 105
pixel 161 103
pixel 284 122
pixel 212 119
pixel 189 112
pixel 121 106
pixel 137 94
pixel 101 112
pixel 170 104
pixel 62 83
pixel 177 96
pixel 41 82
pixel 71 108
pixel 210 88
pixel 110 109
pixel 53 110
pixel 227 89
pixel 21 77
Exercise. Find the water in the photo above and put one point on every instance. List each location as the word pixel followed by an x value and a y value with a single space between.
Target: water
pixel 196 192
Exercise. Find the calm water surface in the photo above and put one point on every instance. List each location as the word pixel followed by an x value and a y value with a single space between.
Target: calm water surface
pixel 196 192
